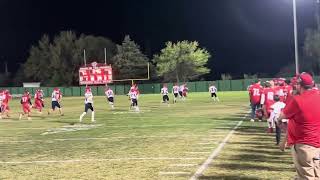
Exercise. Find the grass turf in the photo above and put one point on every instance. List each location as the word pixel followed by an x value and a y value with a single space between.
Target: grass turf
pixel 159 143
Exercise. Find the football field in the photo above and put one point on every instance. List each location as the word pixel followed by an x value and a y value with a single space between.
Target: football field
pixel 194 138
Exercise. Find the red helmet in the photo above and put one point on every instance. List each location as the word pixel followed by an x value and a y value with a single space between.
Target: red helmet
pixel 88 89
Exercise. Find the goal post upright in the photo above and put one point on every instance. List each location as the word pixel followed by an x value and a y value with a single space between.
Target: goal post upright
pixel 135 79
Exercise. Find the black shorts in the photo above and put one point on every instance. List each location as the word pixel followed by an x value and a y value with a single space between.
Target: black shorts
pixel 165 98
pixel 87 107
pixel 175 94
pixel 134 102
pixel 213 94
pixel 55 104
pixel 110 99
pixel 180 93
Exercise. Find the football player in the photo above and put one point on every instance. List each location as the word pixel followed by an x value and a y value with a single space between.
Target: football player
pixel 88 104
pixel 56 98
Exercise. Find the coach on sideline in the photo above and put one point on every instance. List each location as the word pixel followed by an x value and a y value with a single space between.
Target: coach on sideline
pixel 303 110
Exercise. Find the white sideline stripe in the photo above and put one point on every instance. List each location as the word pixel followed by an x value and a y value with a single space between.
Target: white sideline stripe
pixel 174 173
pixel 215 153
pixel 183 165
pixel 99 138
pixel 95 160
pixel 143 126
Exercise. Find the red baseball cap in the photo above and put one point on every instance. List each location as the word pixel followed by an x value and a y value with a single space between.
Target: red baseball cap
pixel 306 79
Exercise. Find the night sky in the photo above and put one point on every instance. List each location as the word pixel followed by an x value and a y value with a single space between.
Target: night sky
pixel 244 36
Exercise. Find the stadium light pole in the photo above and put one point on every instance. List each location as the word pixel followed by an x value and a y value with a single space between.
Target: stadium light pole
pixel 295 36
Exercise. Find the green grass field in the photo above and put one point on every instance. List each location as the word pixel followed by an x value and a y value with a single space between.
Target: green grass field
pixel 160 142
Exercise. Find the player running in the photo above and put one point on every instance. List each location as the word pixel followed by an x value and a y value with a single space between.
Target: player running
pixel 110 96
pixel 38 100
pixel 133 94
pixel 185 91
pixel 181 88
pixel 25 105
pixel 175 92
pixel 56 98
pixel 165 92
pixel 213 90
pixel 6 96
pixel 88 104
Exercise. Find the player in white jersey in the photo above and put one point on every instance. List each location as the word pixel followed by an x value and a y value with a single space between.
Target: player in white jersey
pixel 276 110
pixel 181 88
pixel 213 90
pixel 165 92
pixel 133 94
pixel 175 92
pixel 56 98
pixel 88 104
pixel 110 97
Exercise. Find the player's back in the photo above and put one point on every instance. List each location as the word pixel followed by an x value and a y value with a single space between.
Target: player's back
pixel 175 89
pixel 212 89
pixel 133 94
pixel 109 93
pixel 25 99
pixel 255 93
pixel 164 91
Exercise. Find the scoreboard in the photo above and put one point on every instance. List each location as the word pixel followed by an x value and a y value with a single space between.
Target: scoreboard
pixel 95 73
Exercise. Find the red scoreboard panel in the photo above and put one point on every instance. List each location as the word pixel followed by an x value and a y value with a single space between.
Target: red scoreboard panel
pixel 95 73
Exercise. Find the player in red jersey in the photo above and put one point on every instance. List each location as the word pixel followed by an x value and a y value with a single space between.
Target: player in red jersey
pixel 255 92
pixel 38 100
pixel 5 102
pixel 185 90
pixel 25 105
pixel 280 89
pixel 267 99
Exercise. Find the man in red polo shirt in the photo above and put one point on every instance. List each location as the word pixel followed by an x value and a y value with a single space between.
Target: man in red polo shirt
pixel 303 111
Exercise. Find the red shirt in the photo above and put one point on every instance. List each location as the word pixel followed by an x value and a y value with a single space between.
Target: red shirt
pixel 7 98
pixel 255 92
pixel 25 99
pixel 304 114
pixel 268 94
pixel 280 91
pixel 287 90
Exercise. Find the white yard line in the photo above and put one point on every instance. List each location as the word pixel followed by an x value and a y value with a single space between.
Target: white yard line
pixel 130 126
pixel 96 160
pixel 98 138
pixel 215 153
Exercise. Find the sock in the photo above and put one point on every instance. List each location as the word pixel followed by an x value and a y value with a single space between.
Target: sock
pixel 92 116
pixel 82 115
pixel 217 99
